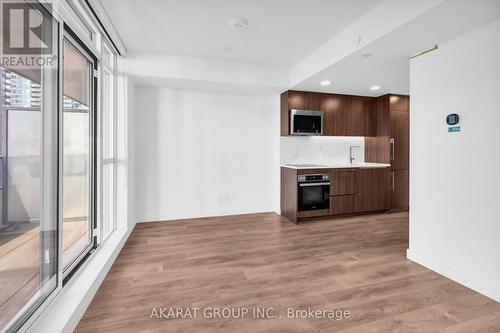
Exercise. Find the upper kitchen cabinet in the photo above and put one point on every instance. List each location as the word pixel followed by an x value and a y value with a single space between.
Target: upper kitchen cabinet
pixel 399 103
pixel 335 121
pixel 304 100
pixel 343 115
pixel 361 116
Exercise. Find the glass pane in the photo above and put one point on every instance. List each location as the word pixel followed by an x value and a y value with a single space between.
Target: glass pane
pixel 108 115
pixel 20 91
pixel 23 167
pixel 28 171
pixel 108 142
pixel 108 206
pixel 76 154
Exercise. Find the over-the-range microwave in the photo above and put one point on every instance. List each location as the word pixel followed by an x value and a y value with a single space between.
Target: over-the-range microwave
pixel 306 122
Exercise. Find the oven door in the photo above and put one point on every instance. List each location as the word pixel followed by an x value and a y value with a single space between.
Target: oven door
pixel 314 196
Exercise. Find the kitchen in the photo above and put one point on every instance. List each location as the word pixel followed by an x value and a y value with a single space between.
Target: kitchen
pixel 343 154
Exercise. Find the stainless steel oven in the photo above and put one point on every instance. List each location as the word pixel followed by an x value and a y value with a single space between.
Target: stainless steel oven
pixel 313 192
pixel 306 122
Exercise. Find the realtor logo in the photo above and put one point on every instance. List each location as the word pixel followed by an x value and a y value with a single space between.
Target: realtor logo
pixel 26 29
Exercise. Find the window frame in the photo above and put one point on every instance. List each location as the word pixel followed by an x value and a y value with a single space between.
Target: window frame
pixel 110 69
pixel 93 113
pixel 64 13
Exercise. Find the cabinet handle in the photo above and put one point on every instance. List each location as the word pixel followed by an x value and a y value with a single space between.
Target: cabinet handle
pixel 392 149
pixel 392 180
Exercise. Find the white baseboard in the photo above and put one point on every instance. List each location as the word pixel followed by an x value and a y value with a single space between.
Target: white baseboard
pixel 456 275
pixel 64 312
pixel 169 217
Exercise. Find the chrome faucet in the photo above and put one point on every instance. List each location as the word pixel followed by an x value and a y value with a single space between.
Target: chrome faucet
pixel 350 154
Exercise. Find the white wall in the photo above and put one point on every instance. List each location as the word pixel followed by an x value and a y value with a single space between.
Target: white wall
pixel 455 177
pixel 201 153
pixel 205 74
pixel 321 149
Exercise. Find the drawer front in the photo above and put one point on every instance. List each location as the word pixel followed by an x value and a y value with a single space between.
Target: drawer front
pixel 313 213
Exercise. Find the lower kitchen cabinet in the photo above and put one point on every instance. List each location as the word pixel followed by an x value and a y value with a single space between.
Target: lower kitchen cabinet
pixel 344 204
pixel 344 181
pixel 352 190
pixel 399 195
pixel 361 190
pixel 374 187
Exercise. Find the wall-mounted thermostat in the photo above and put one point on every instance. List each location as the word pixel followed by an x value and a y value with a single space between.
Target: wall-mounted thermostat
pixel 452 119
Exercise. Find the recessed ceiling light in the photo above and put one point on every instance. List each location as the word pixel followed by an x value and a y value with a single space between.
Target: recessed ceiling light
pixel 238 23
pixel 325 83
pixel 367 55
pixel 375 87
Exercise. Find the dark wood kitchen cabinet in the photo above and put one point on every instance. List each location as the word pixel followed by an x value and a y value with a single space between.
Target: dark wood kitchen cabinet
pixel 344 191
pixel 344 181
pixel 399 129
pixel 334 109
pixel 360 116
pixel 288 196
pixel 343 115
pixel 352 191
pixel 344 204
pixel 399 139
pixel 399 103
pixel 373 189
pixel 400 189
pixel 391 144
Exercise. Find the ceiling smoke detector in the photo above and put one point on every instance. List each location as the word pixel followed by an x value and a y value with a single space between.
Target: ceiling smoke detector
pixel 238 23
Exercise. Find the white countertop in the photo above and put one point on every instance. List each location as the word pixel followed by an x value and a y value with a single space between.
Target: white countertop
pixel 365 165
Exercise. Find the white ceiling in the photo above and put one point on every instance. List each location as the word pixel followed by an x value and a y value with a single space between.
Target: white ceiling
pixel 389 67
pixel 280 32
pixel 180 43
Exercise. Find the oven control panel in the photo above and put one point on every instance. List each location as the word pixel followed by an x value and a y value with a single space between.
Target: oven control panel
pixel 313 178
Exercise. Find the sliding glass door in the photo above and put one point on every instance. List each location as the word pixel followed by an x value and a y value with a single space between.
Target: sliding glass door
pixel 49 208
pixel 77 151
pixel 28 165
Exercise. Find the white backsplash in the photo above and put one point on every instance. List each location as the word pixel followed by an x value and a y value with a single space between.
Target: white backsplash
pixel 321 149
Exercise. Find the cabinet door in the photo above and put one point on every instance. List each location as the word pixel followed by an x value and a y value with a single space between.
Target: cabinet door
pixel 330 105
pixel 399 139
pixel 334 109
pixel 344 181
pixel 355 119
pixel 370 116
pixel 296 100
pixel 399 103
pixel 361 116
pixel 373 189
pixel 399 189
pixel 313 101
pixel 343 204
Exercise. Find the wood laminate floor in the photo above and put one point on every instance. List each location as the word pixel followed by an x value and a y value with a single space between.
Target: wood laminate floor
pixel 262 260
